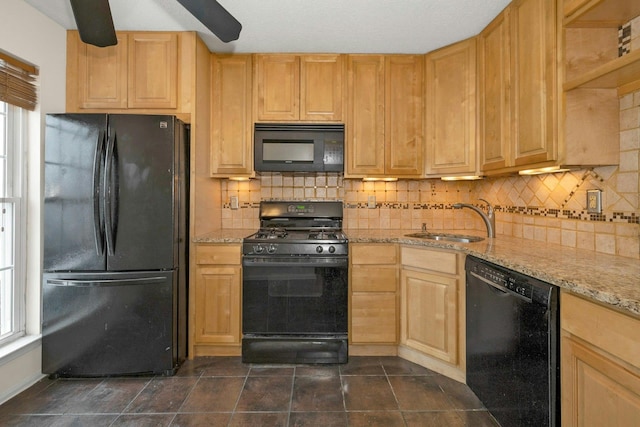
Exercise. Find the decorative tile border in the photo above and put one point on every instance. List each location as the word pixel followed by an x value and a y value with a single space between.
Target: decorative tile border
pixel 624 39
pixel 615 217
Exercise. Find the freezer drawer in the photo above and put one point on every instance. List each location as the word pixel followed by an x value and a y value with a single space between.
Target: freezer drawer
pixel 103 324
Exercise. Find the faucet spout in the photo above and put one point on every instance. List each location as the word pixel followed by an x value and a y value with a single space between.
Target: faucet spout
pixel 489 218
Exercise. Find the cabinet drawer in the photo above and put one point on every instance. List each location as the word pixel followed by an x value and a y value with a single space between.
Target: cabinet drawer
pixel 427 259
pixel 373 254
pixel 218 254
pixel 373 279
pixel 614 332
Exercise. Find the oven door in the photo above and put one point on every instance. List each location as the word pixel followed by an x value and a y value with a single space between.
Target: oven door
pixel 294 309
pixel 288 296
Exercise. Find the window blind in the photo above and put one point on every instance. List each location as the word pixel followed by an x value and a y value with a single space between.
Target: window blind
pixel 18 82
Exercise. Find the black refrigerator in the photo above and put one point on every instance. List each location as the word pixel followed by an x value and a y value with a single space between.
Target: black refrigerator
pixel 115 245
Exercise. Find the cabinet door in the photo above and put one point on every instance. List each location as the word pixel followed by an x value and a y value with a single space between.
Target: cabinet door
pixel 451 109
pixel 429 314
pixel 533 63
pixel 596 390
pixel 321 92
pixel 153 70
pixel 217 305
pixel 374 318
pixel 232 124
pixel 365 115
pixel 494 77
pixel 404 112
pixel 102 74
pixel 277 84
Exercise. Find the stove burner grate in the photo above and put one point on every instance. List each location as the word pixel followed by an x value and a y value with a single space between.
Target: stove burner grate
pixel 323 235
pixel 271 233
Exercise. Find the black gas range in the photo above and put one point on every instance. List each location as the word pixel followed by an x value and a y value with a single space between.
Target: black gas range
pixel 295 285
pixel 298 229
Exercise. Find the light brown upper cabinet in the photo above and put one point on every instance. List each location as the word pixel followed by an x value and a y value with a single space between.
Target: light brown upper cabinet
pixel 385 115
pixel 494 82
pixel 321 87
pixel 518 108
pixel 533 84
pixel 451 110
pixel 231 121
pixel 298 87
pixel 153 70
pixel 577 127
pixel 140 72
pixel 365 115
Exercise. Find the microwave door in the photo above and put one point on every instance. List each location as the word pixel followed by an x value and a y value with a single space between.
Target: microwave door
pixel 302 147
pixel 290 153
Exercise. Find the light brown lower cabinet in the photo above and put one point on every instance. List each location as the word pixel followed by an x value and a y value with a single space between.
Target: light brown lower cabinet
pixel 215 301
pixel 373 299
pixel 432 309
pixel 600 365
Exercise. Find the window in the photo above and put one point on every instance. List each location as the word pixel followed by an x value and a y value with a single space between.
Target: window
pixel 12 221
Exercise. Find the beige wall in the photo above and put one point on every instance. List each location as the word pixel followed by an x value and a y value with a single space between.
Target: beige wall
pixel 549 208
pixel 27 34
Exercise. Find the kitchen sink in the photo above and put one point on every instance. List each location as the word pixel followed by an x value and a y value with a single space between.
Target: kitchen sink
pixel 460 238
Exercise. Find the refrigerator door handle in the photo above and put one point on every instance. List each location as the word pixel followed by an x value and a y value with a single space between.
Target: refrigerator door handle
pixel 102 283
pixel 98 229
pixel 108 197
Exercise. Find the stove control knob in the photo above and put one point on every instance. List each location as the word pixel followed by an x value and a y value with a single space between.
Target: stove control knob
pixel 258 249
pixel 319 249
pixel 332 249
pixel 271 249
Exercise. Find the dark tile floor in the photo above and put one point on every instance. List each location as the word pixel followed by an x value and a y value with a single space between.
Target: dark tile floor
pixel 222 391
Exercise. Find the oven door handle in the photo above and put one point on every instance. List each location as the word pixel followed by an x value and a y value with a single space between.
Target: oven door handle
pixel 294 262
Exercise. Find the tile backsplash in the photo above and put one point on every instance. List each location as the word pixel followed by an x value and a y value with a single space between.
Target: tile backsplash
pixel 629 36
pixel 550 208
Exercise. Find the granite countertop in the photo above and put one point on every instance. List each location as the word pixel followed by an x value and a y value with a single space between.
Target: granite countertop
pixel 605 278
pixel 610 279
pixel 224 236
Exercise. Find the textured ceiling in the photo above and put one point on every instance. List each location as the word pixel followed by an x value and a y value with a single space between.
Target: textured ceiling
pixel 341 26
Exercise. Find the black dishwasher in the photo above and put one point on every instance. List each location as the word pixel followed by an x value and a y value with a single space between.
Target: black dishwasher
pixel 513 344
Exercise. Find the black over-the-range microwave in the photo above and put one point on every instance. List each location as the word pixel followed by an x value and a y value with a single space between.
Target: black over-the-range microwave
pixel 280 147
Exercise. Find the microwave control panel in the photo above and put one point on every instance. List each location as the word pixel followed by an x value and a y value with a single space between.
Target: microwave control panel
pixel 333 152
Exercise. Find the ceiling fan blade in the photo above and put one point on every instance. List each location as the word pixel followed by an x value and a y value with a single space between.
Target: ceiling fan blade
pixel 215 18
pixel 94 22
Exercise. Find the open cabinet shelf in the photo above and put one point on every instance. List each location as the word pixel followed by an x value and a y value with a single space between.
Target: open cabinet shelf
pixel 599 13
pixel 613 74
pixel 594 63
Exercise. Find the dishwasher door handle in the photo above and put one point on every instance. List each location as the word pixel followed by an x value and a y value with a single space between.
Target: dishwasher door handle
pixel 500 288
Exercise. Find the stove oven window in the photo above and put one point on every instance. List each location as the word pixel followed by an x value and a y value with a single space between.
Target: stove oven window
pixel 295 300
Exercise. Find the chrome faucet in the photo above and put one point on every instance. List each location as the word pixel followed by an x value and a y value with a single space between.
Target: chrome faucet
pixel 489 218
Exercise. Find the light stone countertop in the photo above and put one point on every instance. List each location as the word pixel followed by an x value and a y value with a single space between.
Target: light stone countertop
pixel 610 279
pixel 224 236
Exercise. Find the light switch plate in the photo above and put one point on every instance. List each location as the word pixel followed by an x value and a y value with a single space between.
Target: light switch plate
pixel 234 202
pixel 371 202
pixel 594 201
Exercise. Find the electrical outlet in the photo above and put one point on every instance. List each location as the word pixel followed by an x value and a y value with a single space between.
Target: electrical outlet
pixel 371 202
pixel 234 202
pixel 594 201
